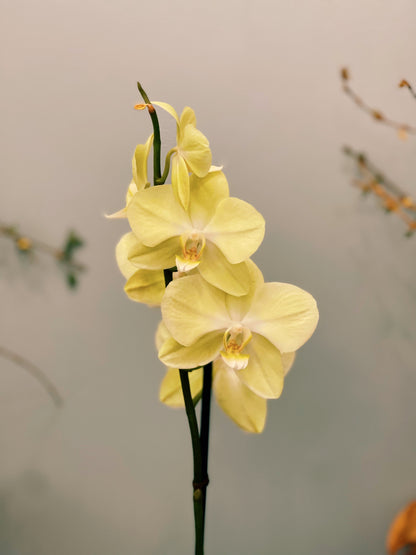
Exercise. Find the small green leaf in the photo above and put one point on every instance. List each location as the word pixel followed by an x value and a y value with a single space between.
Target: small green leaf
pixel 71 280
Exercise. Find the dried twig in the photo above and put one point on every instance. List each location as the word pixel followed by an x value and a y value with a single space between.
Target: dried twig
pixel 404 83
pixel 403 129
pixel 392 197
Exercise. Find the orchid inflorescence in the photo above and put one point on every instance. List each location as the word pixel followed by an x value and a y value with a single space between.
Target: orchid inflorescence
pixel 189 251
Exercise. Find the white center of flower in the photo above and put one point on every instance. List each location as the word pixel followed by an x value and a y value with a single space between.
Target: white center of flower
pixel 193 244
pixel 235 339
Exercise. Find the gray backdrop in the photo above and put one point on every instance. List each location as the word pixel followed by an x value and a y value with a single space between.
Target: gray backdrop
pixel 110 472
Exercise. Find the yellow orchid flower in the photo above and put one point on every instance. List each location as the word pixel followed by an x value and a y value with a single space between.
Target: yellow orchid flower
pixel 139 170
pixel 216 234
pixel 248 333
pixel 191 154
pixel 246 408
pixel 144 286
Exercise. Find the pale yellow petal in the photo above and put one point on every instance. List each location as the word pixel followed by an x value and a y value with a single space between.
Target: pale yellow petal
pixel 160 257
pixel 168 108
pixel 204 350
pixel 126 267
pixel 146 286
pixel 187 118
pixel 162 334
pixel 264 373
pixel 287 360
pixel 131 191
pixel 215 268
pixel 180 179
pixel 119 214
pixel 155 215
pixel 139 163
pixel 194 147
pixel 170 392
pixel 192 308
pixel 242 405
pixel 215 168
pixel 285 314
pixel 206 193
pixel 239 306
pixel 236 228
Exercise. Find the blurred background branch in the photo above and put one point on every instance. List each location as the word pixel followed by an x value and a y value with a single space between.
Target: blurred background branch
pixel 35 372
pixel 65 255
pixel 403 129
pixel 392 197
pixel 369 179
pixel 404 83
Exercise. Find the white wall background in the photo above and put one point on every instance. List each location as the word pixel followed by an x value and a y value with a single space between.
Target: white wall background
pixel 110 472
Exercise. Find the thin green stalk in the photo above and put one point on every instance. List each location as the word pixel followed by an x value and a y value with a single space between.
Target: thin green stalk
pixel 197 456
pixel 156 136
pixel 200 480
pixel 205 421
pixel 167 167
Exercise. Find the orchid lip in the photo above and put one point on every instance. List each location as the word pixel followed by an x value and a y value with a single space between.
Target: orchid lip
pixel 235 339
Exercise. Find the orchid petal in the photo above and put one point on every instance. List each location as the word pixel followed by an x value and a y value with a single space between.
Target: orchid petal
pixel 170 392
pixel 126 267
pixel 194 147
pixel 192 308
pixel 244 407
pixel 119 214
pixel 264 373
pixel 187 118
pixel 146 286
pixel 285 314
pixel 206 193
pixel 168 108
pixel 160 257
pixel 155 216
pixel 161 335
pixel 215 169
pixel 236 228
pixel 180 179
pixel 287 361
pixel 206 349
pixel 139 163
pixel 131 191
pixel 239 306
pixel 216 270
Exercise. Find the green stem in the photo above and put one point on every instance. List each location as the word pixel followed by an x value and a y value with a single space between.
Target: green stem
pixel 167 167
pixel 197 457
pixel 156 136
pixel 200 480
pixel 205 418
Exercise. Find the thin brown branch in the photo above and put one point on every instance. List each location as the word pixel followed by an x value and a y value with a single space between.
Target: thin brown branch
pixel 392 197
pixel 35 372
pixel 404 83
pixel 403 129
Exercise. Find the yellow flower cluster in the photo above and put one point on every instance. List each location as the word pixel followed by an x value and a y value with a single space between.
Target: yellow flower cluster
pixel 218 307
